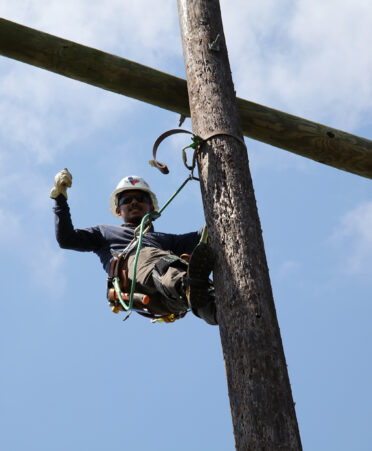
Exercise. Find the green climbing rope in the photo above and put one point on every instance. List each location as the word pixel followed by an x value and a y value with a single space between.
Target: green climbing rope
pixel 116 283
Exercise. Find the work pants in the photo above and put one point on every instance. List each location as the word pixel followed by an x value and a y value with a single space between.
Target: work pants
pixel 171 280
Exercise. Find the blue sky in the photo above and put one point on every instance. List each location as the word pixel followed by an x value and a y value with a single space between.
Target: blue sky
pixel 74 376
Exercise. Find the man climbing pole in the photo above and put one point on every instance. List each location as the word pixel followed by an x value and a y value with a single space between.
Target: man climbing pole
pixel 170 285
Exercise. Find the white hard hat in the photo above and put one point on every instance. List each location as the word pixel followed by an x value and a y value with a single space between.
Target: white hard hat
pixel 130 183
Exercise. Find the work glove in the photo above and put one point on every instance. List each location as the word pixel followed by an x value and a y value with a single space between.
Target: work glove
pixel 62 181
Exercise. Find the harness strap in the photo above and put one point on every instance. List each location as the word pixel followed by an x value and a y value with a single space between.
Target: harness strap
pixel 119 270
pixel 224 133
pixel 118 281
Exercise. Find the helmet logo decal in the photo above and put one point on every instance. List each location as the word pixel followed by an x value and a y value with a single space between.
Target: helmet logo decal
pixel 133 181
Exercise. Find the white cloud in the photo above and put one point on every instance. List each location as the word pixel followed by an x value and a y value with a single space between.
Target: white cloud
pixel 354 233
pixel 311 58
pixel 47 269
pixel 120 26
pixel 43 114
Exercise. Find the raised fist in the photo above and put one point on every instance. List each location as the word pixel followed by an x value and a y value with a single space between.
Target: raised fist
pixel 62 181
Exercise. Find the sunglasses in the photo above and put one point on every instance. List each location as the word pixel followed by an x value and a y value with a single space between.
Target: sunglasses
pixel 143 198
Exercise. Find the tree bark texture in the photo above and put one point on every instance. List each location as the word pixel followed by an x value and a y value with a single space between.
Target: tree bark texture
pixel 306 138
pixel 261 402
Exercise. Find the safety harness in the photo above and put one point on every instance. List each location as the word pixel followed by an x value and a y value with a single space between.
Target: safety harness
pixel 121 293
pixel 118 292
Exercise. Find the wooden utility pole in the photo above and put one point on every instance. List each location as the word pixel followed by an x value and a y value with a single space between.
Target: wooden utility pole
pixel 261 402
pixel 260 394
pixel 306 138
